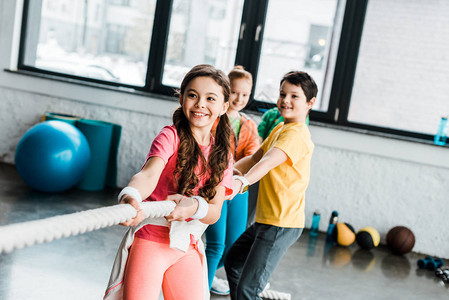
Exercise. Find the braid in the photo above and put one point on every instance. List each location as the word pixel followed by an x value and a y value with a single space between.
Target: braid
pixel 187 152
pixel 218 158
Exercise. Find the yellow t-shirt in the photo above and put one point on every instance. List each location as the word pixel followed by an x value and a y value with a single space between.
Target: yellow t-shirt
pixel 282 190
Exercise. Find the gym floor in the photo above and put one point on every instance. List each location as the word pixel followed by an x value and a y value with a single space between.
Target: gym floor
pixel 78 267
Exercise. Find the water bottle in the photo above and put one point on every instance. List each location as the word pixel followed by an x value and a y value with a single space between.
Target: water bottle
pixel 332 222
pixel 441 136
pixel 315 223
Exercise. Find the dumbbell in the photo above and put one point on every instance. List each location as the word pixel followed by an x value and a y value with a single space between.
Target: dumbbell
pixel 443 274
pixel 430 263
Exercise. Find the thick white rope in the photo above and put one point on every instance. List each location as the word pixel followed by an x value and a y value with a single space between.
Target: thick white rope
pixel 271 294
pixel 19 235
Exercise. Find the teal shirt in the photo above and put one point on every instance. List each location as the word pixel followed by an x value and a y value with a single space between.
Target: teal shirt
pixel 270 119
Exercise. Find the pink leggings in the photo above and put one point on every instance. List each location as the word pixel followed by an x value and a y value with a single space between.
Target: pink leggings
pixel 152 265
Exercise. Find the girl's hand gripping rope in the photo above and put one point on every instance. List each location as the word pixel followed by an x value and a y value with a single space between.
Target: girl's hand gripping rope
pixel 185 207
pixel 134 203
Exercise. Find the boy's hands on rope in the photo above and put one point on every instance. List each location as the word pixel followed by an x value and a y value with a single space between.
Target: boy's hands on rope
pixel 140 213
pixel 185 208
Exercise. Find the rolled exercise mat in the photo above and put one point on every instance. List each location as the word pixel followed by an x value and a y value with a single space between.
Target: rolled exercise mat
pixel 49 116
pixel 99 136
pixel 111 174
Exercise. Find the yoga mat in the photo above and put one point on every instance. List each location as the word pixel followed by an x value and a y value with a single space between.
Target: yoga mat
pixel 48 116
pixel 99 143
pixel 99 136
pixel 111 175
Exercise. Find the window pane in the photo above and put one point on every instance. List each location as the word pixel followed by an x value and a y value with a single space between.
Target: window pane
pixel 299 35
pixel 101 39
pixel 402 75
pixel 201 31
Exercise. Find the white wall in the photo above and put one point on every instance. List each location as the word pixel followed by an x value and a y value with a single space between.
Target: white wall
pixel 380 182
pixel 21 110
pixel 371 180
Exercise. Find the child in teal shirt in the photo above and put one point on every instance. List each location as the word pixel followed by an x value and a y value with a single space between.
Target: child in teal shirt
pixel 270 119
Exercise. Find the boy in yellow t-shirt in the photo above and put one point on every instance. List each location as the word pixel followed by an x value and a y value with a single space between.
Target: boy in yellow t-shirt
pixel 282 164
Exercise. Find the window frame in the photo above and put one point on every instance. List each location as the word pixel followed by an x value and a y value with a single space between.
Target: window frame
pixel 248 55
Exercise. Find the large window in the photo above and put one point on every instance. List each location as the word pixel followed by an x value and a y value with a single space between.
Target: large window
pixel 297 36
pixel 149 45
pixel 96 39
pixel 201 32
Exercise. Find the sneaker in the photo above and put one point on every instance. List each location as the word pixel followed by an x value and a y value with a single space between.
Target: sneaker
pixel 220 286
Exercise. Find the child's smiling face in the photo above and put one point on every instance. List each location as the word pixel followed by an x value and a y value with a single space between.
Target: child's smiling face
pixel 240 91
pixel 203 102
pixel 292 103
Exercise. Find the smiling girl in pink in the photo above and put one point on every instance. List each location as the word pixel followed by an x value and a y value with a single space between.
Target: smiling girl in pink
pixel 188 165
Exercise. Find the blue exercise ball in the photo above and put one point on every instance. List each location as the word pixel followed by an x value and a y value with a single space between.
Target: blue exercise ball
pixel 52 156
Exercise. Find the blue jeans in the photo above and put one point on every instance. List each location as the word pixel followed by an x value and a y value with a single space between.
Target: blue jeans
pixel 254 256
pixel 221 235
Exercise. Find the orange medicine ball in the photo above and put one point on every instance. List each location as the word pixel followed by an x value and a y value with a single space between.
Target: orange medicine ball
pixel 344 234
